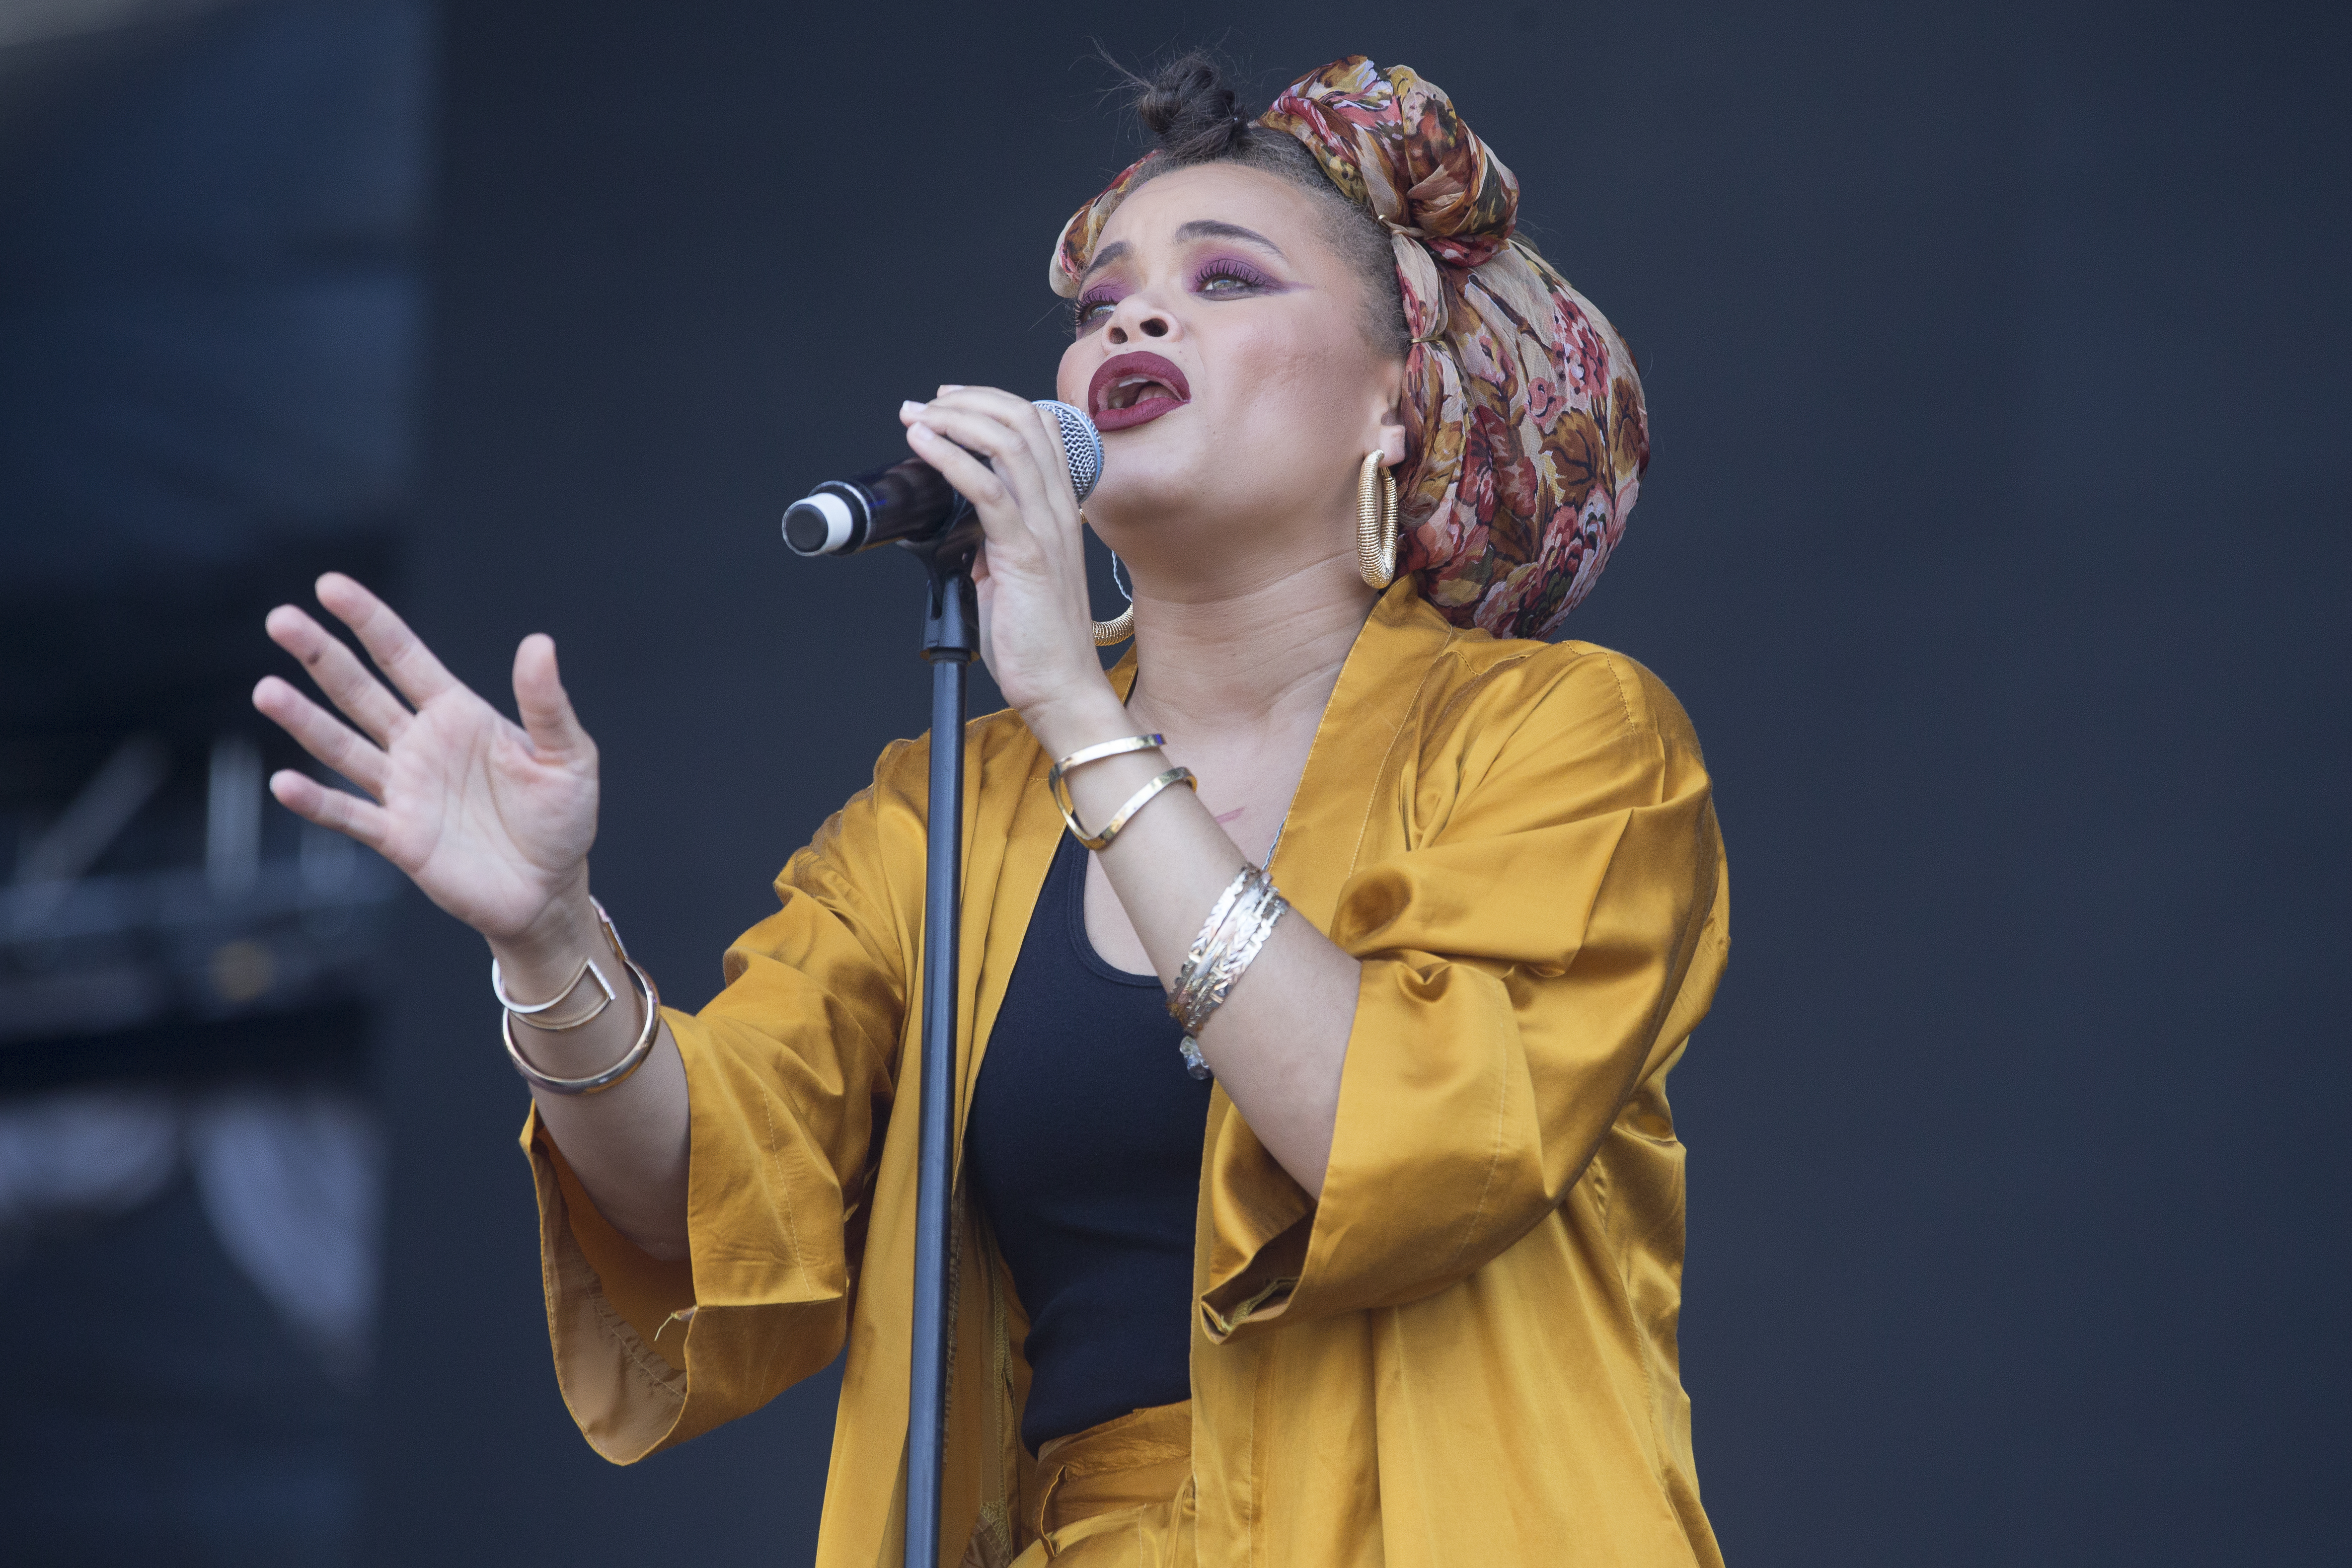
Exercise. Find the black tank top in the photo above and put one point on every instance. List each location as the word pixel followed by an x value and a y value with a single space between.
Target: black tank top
pixel 1084 1148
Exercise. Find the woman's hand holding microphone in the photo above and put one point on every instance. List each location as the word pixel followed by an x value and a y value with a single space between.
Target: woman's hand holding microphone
pixel 1003 455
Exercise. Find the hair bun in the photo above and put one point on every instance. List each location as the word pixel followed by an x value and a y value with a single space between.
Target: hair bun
pixel 1187 109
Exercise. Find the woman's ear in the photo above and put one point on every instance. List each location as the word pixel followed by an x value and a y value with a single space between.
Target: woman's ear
pixel 1393 438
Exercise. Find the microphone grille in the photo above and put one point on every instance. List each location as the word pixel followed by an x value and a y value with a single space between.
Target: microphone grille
pixel 1081 444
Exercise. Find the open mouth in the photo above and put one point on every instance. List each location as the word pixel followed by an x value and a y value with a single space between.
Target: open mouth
pixel 1134 388
pixel 1129 391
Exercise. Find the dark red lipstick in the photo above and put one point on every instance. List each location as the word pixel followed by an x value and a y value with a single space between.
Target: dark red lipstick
pixel 1135 388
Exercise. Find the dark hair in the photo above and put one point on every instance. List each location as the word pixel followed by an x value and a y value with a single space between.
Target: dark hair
pixel 1193 117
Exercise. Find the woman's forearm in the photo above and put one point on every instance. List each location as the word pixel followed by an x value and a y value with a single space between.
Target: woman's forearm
pixel 1278 1043
pixel 628 1144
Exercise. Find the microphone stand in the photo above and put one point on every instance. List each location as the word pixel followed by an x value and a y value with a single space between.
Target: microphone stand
pixel 951 639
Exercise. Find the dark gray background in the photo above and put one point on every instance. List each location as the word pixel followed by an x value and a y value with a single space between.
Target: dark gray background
pixel 1994 539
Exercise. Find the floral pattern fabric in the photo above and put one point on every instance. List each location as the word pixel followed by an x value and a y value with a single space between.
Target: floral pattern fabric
pixel 1528 434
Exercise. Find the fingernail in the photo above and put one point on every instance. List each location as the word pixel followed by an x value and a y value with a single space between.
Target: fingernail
pixel 947 387
pixel 909 406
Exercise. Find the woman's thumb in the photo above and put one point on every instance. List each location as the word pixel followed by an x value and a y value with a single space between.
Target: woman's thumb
pixel 547 715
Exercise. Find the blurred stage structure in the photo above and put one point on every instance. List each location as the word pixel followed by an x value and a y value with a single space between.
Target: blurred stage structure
pixel 209 313
pixel 235 935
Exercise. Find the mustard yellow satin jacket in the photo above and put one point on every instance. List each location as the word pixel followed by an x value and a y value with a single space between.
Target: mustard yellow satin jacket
pixel 1463 1354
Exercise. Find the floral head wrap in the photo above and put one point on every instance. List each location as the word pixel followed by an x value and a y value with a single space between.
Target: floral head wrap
pixel 1523 411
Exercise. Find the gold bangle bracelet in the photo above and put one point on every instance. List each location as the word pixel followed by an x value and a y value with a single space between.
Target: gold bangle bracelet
pixel 587 970
pixel 595 1083
pixel 530 1015
pixel 1125 743
pixel 631 1059
pixel 1135 802
pixel 1057 777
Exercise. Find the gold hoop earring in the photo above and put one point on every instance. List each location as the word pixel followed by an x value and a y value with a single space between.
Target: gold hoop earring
pixel 1110 633
pixel 1376 522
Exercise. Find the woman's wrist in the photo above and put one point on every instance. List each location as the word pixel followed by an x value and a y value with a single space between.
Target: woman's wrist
pixel 547 952
pixel 1081 719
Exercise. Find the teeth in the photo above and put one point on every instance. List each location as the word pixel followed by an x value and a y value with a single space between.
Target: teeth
pixel 1129 391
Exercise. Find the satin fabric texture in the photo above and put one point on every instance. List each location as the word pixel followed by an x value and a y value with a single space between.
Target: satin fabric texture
pixel 1464 1352
pixel 1118 1495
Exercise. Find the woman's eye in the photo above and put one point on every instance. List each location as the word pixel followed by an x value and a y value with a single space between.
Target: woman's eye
pixel 1228 278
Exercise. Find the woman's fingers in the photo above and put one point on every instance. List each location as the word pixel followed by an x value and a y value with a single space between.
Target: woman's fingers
pixel 975 478
pixel 347 814
pixel 1008 437
pixel 998 452
pixel 397 651
pixel 1049 496
pixel 546 708
pixel 339 672
pixel 1054 452
pixel 332 743
pixel 1039 434
pixel 1042 432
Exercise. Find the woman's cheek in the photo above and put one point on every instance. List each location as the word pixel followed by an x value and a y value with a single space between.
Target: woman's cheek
pixel 1070 380
pixel 1292 384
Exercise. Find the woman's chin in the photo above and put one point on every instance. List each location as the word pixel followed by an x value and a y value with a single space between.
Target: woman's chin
pixel 1151 468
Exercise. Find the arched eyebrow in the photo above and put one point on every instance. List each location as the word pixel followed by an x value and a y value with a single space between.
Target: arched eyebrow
pixel 1103 258
pixel 1199 228
pixel 1210 228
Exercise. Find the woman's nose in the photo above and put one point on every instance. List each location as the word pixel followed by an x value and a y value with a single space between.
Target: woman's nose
pixel 1135 319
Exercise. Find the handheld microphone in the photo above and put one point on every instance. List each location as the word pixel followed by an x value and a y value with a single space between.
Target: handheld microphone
pixel 909 500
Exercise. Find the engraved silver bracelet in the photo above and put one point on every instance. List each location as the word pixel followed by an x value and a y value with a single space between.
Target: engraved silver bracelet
pixel 1231 938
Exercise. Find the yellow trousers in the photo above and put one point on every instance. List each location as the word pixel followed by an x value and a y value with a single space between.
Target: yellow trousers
pixel 1118 1495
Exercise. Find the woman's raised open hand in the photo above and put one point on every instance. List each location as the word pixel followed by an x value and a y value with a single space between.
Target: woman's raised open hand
pixel 491 818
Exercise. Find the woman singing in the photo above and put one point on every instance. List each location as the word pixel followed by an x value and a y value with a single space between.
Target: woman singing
pixel 1325 1212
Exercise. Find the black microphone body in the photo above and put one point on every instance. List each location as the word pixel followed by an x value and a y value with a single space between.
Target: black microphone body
pixel 907 500
pixel 911 501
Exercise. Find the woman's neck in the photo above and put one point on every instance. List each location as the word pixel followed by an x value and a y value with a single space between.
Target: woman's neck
pixel 1257 661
